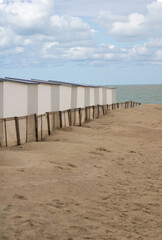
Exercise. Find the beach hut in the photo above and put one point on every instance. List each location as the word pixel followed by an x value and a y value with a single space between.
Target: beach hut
pixel 61 97
pixel 78 97
pixel 39 98
pixel 89 96
pixel 13 98
pixel 99 95
pixel 109 95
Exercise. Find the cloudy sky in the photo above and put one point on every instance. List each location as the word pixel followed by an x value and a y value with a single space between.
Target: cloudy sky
pixel 83 41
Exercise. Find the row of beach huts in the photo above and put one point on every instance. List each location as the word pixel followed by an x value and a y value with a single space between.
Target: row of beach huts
pixel 22 97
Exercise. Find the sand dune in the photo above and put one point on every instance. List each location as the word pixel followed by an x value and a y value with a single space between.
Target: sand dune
pixel 98 181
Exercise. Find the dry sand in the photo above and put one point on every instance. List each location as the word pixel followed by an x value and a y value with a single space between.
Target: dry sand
pixel 99 181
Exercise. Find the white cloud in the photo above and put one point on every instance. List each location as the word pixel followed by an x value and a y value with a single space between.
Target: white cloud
pixel 91 8
pixel 154 43
pixel 154 18
pixel 32 33
pixel 37 17
pixel 30 27
pixel 26 17
pixel 135 26
pixel 128 28
pixel 158 55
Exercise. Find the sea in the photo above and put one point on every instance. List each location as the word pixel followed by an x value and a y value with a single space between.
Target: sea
pixel 145 94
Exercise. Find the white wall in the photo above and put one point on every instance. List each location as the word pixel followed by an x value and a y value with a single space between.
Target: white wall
pixel 19 99
pixel 1 99
pixel 65 97
pixel 105 95
pixel 32 99
pixel 101 96
pixel 87 96
pixel 55 98
pixel 111 95
pixel 80 97
pixel 74 97
pixel 44 98
pixel 92 96
pixel 98 96
pixel 15 97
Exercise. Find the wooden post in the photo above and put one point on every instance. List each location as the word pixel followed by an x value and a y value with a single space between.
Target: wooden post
pixel 41 128
pixel 48 124
pixel 60 119
pixel 36 127
pixel 98 110
pixel 69 115
pixel 65 118
pixel 89 112
pixel 86 117
pixel 54 121
pixel 80 117
pixel 93 112
pixel 103 109
pixel 74 116
pixel 26 128
pixel 17 130
pixel 5 131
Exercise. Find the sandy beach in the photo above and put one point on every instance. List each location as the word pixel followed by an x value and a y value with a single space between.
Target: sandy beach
pixel 101 181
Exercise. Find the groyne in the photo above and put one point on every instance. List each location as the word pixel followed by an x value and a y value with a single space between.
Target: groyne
pixel 33 128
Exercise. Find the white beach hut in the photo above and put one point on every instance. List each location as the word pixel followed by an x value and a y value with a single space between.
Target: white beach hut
pixel 99 95
pixel 78 97
pixel 39 98
pixel 89 96
pixel 109 95
pixel 13 98
pixel 60 97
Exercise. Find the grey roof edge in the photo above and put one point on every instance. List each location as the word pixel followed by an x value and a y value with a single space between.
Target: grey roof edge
pixel 50 82
pixel 16 81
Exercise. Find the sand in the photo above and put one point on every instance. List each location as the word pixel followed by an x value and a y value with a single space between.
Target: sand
pixel 98 181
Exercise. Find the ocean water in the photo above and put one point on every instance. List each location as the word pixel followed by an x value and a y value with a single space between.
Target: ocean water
pixel 140 93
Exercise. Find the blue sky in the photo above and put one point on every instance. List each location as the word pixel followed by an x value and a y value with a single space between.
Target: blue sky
pixel 83 41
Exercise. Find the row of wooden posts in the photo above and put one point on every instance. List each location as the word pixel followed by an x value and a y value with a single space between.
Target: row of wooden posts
pixel 19 130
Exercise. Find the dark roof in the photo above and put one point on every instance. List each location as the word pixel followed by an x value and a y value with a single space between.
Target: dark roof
pixel 16 80
pixel 65 83
pixel 53 82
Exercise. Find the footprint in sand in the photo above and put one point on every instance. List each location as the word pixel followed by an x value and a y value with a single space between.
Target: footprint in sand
pixel 21 197
pixel 102 149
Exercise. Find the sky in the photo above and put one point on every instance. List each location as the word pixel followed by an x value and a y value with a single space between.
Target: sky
pixel 100 42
